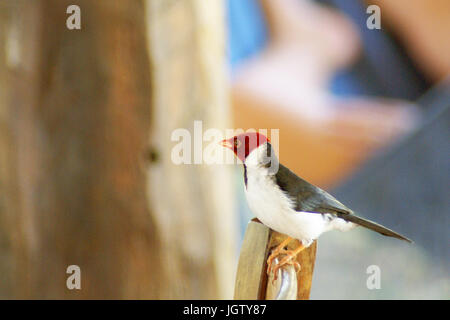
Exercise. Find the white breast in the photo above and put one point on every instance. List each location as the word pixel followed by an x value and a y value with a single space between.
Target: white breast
pixel 273 207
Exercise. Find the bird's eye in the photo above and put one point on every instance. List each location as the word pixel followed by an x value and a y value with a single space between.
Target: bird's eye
pixel 237 143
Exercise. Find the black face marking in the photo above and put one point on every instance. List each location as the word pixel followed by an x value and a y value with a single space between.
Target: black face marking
pixel 245 175
pixel 269 156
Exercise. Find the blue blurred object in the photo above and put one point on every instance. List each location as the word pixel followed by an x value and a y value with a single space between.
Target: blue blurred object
pixel 383 69
pixel 247 32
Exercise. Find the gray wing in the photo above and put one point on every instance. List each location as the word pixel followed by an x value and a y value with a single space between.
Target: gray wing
pixel 307 197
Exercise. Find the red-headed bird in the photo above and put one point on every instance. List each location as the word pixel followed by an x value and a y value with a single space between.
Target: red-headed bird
pixel 288 204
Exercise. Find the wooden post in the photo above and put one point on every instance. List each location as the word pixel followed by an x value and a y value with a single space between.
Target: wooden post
pixel 252 281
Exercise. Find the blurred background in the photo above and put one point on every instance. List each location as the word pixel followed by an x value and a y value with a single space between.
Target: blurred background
pixel 87 115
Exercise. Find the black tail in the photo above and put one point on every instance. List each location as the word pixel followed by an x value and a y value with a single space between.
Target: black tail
pixel 372 226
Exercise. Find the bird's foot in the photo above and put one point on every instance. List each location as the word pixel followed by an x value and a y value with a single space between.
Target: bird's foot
pixel 270 260
pixel 276 252
pixel 288 259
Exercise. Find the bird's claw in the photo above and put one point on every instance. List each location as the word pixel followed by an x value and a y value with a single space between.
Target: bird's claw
pixel 274 254
pixel 289 259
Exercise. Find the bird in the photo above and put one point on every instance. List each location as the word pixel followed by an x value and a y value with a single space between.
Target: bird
pixel 288 204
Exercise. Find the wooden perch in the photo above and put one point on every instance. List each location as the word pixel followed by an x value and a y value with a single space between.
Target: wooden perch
pixel 252 281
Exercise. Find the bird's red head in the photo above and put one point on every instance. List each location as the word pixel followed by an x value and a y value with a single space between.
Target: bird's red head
pixel 243 144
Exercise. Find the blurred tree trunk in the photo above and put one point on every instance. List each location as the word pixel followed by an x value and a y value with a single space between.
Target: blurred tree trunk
pixel 187 47
pixel 75 118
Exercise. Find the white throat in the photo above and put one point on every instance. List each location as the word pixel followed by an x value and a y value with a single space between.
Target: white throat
pixel 263 159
